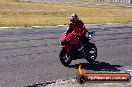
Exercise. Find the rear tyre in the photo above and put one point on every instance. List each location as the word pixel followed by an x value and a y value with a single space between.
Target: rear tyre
pixel 92 53
pixel 65 58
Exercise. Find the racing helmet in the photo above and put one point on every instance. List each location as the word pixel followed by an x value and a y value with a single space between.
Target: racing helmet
pixel 74 18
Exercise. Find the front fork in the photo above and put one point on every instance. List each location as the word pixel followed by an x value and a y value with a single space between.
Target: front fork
pixel 68 49
pixel 71 51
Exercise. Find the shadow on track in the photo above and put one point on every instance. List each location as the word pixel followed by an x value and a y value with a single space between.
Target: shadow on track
pixel 97 66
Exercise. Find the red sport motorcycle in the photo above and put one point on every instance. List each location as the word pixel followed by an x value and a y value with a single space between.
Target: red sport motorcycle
pixel 73 48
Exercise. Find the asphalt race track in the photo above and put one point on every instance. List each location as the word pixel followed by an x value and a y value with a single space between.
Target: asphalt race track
pixel 31 55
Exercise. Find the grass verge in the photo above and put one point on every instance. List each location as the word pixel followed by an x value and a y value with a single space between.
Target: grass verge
pixel 15 13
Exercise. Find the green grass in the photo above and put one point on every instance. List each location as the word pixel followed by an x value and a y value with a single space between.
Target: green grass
pixel 16 13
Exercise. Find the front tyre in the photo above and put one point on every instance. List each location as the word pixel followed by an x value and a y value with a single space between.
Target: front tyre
pixel 65 58
pixel 92 53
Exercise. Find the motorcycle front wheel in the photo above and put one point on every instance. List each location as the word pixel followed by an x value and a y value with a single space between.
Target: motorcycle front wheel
pixel 65 58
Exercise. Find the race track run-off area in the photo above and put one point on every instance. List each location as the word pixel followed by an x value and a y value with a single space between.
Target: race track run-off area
pixel 31 54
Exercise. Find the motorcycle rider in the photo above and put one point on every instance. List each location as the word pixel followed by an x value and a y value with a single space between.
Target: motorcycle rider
pixel 77 26
pixel 79 29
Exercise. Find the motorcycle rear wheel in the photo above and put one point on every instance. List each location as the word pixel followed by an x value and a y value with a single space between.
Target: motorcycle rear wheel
pixel 92 53
pixel 65 58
